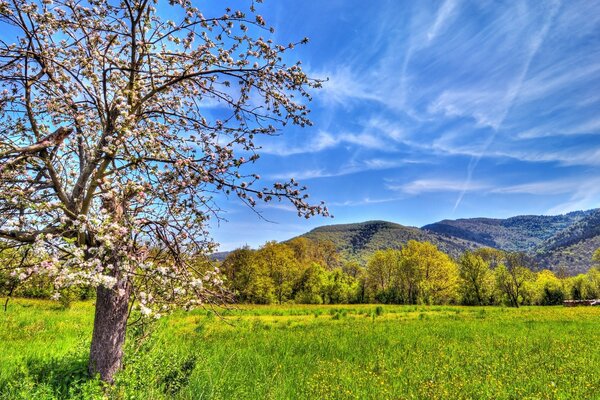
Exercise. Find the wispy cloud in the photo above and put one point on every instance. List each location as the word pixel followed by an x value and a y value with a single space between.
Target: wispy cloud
pixel 512 87
pixel 444 14
pixel 582 192
pixel 420 186
pixel 375 133
pixel 324 141
pixel 553 128
pixel 363 202
pixel 492 107
pixel 342 86
pixel 572 154
pixel 352 167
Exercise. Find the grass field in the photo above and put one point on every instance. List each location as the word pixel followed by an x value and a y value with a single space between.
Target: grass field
pixel 313 352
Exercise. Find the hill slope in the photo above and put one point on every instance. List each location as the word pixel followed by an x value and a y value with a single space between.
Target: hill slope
pixel 357 241
pixel 573 247
pixel 560 241
pixel 522 233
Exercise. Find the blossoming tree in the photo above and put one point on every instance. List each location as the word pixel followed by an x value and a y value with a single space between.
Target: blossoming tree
pixel 117 129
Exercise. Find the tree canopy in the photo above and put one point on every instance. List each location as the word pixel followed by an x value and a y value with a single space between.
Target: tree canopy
pixel 110 159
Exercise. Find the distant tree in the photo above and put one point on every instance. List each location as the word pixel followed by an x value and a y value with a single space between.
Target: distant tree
pixel 419 272
pixel 311 287
pixel 353 269
pixel 327 253
pixel 308 251
pixel 382 266
pixel 239 269
pixel 511 278
pixel 593 283
pixel 303 249
pixel 548 289
pixel 493 257
pixel 109 157
pixel 341 288
pixel 578 287
pixel 283 268
pixel 430 271
pixel 475 279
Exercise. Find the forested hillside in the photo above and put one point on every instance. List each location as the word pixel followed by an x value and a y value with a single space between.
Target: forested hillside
pixel 521 233
pixel 564 242
pixel 358 241
pixel 572 248
pixel 558 241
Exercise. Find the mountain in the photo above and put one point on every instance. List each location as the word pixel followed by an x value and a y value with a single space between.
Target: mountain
pixel 359 240
pixel 523 233
pixel 219 256
pixel 558 241
pixel 573 247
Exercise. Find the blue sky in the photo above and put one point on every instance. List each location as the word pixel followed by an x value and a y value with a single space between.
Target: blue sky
pixel 433 110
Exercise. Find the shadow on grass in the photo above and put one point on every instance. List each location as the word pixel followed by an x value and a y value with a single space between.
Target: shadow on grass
pixel 61 374
pixel 51 378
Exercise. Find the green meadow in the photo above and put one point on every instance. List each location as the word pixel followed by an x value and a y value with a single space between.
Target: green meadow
pixel 311 352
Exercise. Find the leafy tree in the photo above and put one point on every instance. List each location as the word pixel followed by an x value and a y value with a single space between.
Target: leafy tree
pixel 593 286
pixel 10 258
pixel 318 251
pixel 585 286
pixel 417 273
pixel 475 279
pixel 341 288
pixel 493 257
pixel 381 269
pixel 596 257
pixel 327 254
pixel 109 158
pixel 238 268
pixel 310 288
pixel 430 271
pixel 283 268
pixel 353 269
pixel 578 287
pixel 261 288
pixel 511 278
pixel 548 289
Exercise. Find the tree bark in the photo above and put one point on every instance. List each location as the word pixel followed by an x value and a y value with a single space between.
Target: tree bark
pixel 110 324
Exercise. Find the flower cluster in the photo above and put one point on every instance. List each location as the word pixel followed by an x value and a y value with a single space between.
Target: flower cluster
pixel 108 159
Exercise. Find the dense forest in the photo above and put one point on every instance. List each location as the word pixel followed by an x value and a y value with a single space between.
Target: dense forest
pixel 306 271
pixel 565 242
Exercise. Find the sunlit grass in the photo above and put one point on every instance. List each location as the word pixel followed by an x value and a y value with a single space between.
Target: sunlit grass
pixel 282 352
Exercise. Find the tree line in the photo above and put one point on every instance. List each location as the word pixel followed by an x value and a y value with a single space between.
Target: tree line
pixel 305 271
pixel 312 272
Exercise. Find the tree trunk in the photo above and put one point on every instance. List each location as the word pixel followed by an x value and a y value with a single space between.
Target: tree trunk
pixel 110 324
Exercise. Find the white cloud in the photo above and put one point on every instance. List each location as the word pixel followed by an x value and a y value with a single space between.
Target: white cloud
pixel 540 188
pixel 436 185
pixel 350 168
pixel 363 202
pixel 444 14
pixel 555 128
pixel 376 134
pixel 583 192
pixel 343 85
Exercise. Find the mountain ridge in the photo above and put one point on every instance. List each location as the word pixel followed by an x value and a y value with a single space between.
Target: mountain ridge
pixel 564 241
